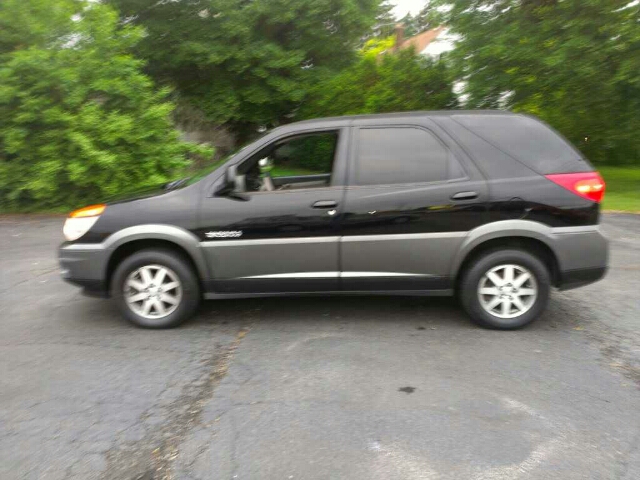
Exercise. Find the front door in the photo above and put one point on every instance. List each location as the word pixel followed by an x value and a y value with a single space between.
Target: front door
pixel 283 237
pixel 409 204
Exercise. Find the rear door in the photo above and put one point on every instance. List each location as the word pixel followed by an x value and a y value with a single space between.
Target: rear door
pixel 412 196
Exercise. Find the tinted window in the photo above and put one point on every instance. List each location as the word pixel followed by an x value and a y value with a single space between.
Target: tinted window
pixel 301 161
pixel 526 140
pixel 399 155
pixel 306 155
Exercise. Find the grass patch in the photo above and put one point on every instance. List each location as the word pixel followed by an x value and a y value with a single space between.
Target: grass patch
pixel 623 188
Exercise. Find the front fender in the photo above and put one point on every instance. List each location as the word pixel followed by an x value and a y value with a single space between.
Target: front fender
pixel 181 237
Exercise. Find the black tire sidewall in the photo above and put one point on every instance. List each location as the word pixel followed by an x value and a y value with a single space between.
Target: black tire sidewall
pixel 180 266
pixel 472 276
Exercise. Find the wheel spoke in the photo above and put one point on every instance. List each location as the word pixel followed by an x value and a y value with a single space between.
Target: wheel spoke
pixel 518 303
pixel 137 297
pixel 493 303
pixel 508 274
pixel 138 286
pixel 521 279
pixel 489 291
pixel 145 274
pixel 171 299
pixel 146 307
pixel 497 281
pixel 506 306
pixel 159 306
pixel 170 286
pixel 160 274
pixel 526 292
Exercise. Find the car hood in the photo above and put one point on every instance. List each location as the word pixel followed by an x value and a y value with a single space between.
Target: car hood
pixel 147 192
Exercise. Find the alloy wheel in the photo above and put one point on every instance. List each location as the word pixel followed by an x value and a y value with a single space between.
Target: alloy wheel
pixel 153 291
pixel 507 291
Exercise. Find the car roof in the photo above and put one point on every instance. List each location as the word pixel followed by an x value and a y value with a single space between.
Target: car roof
pixel 344 120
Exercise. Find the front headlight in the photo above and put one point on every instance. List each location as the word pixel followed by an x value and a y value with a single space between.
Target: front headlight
pixel 80 221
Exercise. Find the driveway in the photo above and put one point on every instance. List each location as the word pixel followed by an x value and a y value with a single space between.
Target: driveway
pixel 315 388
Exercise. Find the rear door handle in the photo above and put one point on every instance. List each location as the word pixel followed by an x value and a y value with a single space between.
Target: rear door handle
pixel 464 196
pixel 325 204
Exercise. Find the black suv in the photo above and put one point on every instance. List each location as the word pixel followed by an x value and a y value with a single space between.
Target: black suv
pixel 493 206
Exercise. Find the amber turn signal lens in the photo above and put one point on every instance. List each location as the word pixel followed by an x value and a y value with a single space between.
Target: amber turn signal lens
pixel 90 211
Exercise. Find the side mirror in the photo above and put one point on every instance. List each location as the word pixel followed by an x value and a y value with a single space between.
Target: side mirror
pixel 230 187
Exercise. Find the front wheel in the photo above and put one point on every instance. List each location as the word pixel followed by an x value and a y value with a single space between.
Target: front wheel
pixel 505 289
pixel 156 289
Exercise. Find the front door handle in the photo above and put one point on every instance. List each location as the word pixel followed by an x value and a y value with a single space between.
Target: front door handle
pixel 325 204
pixel 464 196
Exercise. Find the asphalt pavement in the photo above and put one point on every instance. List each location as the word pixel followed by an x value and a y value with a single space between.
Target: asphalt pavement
pixel 315 388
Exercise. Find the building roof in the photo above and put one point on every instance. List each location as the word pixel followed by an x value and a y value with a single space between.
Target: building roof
pixel 422 40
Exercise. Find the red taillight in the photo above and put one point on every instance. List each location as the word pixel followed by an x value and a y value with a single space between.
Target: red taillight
pixel 588 185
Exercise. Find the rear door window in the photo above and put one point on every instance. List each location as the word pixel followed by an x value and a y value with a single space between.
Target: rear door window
pixel 395 155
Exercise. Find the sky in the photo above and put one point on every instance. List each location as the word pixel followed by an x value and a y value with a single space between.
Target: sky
pixel 404 6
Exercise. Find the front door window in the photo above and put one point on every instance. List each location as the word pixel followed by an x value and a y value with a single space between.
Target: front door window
pixel 301 162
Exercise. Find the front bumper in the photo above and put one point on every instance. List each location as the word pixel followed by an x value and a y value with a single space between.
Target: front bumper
pixel 85 265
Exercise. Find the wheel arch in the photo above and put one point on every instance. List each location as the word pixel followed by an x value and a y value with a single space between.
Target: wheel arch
pixel 128 241
pixel 526 235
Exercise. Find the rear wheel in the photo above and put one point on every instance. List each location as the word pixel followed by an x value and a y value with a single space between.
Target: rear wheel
pixel 505 289
pixel 156 289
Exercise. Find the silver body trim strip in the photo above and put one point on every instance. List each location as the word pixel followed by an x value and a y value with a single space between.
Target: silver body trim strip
pixel 352 238
pixel 269 241
pixel 580 229
pixel 83 246
pixel 297 275
pixel 337 275
pixel 402 236
pixel 382 274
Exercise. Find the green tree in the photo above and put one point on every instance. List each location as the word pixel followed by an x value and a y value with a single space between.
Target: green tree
pixel 575 63
pixel 78 118
pixel 383 82
pixel 246 63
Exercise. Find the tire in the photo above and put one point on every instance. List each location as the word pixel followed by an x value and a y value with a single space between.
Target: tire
pixel 174 300
pixel 507 314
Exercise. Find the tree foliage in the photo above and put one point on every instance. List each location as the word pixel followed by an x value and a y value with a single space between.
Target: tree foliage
pixel 78 118
pixel 575 63
pixel 246 63
pixel 383 81
pixel 418 23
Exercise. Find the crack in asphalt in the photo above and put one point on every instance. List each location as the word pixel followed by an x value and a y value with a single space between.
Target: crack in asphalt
pixel 35 276
pixel 152 457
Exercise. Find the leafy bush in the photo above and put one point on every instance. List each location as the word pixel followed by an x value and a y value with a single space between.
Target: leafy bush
pixel 78 119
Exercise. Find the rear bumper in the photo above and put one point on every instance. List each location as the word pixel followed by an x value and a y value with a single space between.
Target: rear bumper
pixel 578 278
pixel 582 254
pixel 85 266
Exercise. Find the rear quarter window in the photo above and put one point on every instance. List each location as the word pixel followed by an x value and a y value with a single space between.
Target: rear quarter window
pixel 528 141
